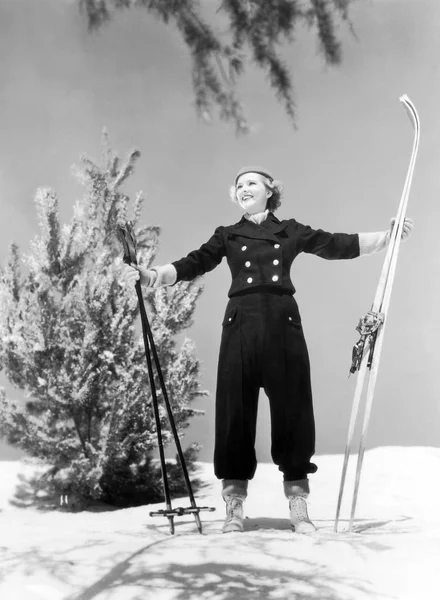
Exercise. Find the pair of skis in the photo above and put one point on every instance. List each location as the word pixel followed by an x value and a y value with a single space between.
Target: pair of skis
pixel 366 353
pixel 128 239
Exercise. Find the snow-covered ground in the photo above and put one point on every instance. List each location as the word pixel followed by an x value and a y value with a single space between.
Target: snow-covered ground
pixel 128 555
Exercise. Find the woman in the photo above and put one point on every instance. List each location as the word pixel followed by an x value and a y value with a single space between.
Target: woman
pixel 262 344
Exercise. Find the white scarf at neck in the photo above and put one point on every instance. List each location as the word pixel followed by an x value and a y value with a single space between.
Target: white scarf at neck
pixel 257 218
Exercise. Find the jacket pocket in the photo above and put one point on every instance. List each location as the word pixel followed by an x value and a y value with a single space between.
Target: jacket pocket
pixel 292 318
pixel 230 317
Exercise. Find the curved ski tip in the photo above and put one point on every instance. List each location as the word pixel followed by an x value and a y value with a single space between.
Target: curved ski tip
pixel 411 111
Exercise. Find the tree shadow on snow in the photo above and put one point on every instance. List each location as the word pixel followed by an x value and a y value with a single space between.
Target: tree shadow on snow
pixel 304 580
pixel 35 560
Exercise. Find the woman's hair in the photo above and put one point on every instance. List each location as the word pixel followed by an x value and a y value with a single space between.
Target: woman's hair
pixel 275 186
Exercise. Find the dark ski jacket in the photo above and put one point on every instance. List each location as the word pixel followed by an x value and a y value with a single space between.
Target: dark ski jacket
pixel 260 256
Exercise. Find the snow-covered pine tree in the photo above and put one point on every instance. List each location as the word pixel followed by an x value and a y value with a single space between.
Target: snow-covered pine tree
pixel 69 339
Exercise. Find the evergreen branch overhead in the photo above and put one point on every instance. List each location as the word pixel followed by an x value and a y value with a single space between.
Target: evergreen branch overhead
pixel 256 32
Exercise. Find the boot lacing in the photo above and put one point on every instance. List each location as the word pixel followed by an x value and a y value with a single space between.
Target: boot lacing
pixel 234 507
pixel 298 509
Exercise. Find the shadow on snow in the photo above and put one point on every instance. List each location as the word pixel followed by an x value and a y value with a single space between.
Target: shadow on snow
pixel 222 581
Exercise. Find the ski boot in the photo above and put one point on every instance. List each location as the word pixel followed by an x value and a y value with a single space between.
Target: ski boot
pixel 234 514
pixel 234 494
pixel 297 493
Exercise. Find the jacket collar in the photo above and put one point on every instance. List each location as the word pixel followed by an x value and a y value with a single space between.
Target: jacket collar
pixel 266 230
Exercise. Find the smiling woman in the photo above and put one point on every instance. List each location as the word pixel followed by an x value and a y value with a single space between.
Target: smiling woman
pixel 248 188
pixel 262 343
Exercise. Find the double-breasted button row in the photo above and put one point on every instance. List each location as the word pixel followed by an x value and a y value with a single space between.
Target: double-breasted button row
pixel 247 264
pixel 274 278
pixel 276 246
pixel 275 262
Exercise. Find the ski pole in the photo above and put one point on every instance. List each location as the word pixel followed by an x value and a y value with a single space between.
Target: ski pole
pixel 175 434
pixel 128 239
pixel 166 488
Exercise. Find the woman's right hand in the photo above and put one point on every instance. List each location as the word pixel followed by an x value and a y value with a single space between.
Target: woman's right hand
pixel 134 273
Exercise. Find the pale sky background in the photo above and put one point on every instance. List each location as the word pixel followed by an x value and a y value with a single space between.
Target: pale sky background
pixel 343 170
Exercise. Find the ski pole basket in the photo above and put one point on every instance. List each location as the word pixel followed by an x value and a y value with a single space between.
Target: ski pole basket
pixel 179 511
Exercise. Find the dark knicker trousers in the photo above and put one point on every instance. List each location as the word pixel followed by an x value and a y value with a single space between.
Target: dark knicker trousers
pixel 263 346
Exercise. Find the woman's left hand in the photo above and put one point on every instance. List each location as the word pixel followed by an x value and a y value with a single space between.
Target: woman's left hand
pixel 408 226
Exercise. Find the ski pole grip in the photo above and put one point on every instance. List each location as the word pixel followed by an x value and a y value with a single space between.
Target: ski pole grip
pixel 128 241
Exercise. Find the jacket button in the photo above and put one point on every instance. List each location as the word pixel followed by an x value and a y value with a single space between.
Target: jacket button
pixel 276 262
pixel 248 263
pixel 244 248
pixel 290 318
pixel 230 318
pixel 275 278
pixel 249 279
pixel 276 246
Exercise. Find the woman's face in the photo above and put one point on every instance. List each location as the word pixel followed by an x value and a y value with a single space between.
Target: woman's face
pixel 252 194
